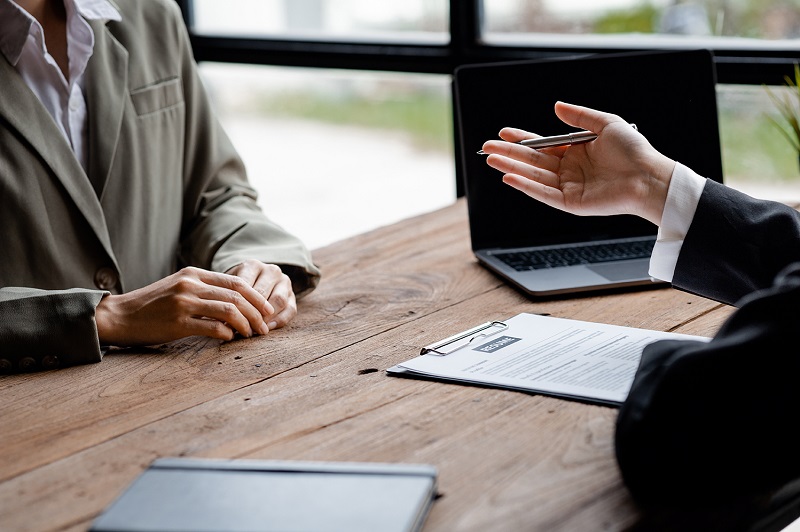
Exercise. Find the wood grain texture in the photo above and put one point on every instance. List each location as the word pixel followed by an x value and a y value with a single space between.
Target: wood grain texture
pixel 73 439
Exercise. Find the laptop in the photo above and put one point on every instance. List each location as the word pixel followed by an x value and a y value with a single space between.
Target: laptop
pixel 669 95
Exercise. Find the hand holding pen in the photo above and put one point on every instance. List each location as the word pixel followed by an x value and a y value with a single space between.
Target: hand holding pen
pixel 578 137
pixel 622 174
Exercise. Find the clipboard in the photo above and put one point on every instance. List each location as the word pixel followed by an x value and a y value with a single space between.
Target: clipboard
pixel 462 340
pixel 570 359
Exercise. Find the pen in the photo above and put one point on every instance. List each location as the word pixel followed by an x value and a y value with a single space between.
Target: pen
pixel 578 137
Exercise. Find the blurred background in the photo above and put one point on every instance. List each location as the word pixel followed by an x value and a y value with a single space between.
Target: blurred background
pixel 337 151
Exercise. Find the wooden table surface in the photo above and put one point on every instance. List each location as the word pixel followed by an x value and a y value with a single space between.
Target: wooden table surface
pixel 73 439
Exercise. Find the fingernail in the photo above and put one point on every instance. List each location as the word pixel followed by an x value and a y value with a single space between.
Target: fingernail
pixel 264 328
pixel 273 324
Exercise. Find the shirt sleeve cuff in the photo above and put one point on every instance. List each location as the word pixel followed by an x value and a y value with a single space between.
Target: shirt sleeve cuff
pixel 683 196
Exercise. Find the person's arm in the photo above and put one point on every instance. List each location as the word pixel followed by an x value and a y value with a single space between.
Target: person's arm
pixel 713 240
pixel 47 329
pixel 719 243
pixel 736 244
pixel 707 423
pixel 223 225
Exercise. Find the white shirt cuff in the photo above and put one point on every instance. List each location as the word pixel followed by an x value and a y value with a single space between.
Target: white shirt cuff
pixel 683 196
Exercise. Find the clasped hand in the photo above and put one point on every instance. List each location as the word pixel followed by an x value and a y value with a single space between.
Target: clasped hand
pixel 251 298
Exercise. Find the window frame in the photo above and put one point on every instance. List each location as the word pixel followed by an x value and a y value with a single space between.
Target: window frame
pixel 755 65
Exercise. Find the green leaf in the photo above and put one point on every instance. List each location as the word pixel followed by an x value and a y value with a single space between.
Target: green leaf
pixel 788 106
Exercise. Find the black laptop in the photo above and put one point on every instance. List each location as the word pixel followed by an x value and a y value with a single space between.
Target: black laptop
pixel 669 95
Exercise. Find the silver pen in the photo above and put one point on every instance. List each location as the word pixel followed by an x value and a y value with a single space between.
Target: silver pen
pixel 579 137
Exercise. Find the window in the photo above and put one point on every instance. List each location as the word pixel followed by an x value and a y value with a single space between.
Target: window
pixel 713 23
pixel 369 83
pixel 423 21
pixel 336 152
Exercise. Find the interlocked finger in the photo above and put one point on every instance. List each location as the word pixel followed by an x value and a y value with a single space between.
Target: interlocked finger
pixel 232 307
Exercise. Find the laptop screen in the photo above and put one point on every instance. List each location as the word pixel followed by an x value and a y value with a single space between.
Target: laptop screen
pixel 670 96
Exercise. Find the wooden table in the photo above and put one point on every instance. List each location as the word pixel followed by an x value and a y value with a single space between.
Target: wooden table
pixel 73 439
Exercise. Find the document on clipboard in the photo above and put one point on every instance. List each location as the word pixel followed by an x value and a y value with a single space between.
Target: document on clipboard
pixel 592 362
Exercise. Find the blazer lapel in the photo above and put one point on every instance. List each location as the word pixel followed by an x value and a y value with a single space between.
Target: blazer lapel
pixel 106 91
pixel 23 111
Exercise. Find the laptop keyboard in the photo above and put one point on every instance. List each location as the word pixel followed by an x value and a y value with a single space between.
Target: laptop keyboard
pixel 571 256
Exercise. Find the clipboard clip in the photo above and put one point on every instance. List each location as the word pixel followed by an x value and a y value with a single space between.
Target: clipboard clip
pixel 481 331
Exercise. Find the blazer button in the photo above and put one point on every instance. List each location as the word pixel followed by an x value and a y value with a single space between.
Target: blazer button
pixel 27 364
pixel 50 362
pixel 105 278
pixel 5 365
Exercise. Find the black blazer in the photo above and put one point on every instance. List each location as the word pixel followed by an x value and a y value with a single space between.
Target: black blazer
pixel 707 423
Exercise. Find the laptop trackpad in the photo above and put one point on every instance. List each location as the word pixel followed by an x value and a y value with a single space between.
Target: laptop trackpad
pixel 622 271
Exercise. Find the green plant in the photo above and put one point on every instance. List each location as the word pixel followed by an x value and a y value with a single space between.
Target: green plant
pixel 788 105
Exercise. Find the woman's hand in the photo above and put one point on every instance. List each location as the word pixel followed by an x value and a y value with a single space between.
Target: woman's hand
pixel 190 302
pixel 273 284
pixel 617 173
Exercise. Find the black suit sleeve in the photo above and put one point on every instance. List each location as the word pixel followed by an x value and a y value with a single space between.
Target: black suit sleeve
pixel 736 244
pixel 714 421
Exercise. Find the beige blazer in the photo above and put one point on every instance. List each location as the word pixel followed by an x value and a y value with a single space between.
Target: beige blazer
pixel 164 188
